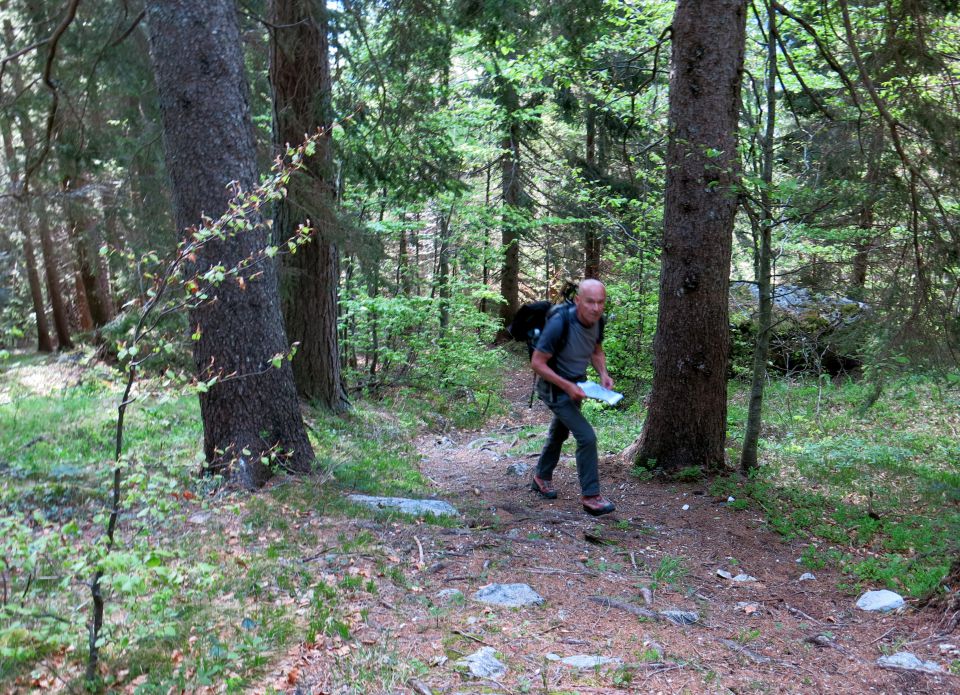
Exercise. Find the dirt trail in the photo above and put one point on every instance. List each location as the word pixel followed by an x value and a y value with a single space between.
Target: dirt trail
pixel 776 634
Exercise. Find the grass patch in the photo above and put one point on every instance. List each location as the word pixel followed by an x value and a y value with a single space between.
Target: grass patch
pixel 875 493
pixel 189 603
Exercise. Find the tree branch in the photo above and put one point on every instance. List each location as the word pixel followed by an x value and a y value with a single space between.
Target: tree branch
pixel 54 40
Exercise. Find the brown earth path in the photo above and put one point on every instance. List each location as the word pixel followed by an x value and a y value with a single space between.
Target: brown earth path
pixel 774 635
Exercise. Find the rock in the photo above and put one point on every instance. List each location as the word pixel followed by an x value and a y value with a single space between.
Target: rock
pixel 510 595
pixel 807 577
pixel 680 617
pixel 407 506
pixel 449 595
pixel 749 607
pixel 744 578
pixel 484 664
pixel 518 469
pixel 589 661
pixel 724 574
pixel 685 507
pixel 947 649
pixel 909 662
pixel 731 499
pixel 882 601
pixel 199 518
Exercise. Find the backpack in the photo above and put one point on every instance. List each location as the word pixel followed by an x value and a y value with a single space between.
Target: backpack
pixel 531 318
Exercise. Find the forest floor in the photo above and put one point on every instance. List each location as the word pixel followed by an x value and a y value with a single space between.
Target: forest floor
pixel 660 550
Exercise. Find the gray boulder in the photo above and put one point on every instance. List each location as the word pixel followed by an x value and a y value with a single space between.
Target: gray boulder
pixel 407 506
pixel 483 664
pixel 882 601
pixel 509 595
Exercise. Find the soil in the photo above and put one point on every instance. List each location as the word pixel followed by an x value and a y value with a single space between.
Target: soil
pixel 776 634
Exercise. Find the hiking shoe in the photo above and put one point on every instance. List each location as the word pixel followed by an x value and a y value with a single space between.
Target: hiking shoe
pixel 597 505
pixel 544 487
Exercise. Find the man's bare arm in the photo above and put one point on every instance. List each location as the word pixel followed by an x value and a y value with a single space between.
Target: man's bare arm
pixel 599 361
pixel 540 366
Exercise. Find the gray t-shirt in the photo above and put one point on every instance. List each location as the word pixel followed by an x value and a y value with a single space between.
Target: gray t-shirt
pixel 573 359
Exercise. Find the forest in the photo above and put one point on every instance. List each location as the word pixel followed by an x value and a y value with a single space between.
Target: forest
pixel 264 426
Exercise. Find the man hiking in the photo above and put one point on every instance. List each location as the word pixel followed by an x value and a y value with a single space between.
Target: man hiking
pixel 559 371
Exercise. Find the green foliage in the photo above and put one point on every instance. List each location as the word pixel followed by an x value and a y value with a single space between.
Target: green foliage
pixel 874 494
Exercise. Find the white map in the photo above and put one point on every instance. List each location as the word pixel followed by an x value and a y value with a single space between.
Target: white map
pixel 595 390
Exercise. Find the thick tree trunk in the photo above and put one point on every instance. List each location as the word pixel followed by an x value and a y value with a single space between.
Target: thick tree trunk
pixel 302 91
pixel 686 422
pixel 253 411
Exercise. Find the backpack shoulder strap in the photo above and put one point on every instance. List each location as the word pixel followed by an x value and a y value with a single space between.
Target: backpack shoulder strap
pixel 565 314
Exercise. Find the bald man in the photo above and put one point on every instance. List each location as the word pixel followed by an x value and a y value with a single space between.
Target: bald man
pixel 557 387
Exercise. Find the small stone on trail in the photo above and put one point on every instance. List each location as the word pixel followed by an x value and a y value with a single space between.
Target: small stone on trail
pixel 510 595
pixel 685 507
pixel 745 578
pixel 882 601
pixel 724 574
pixel 680 617
pixel 589 661
pixel 407 506
pixel 518 469
pixel 908 661
pixel 731 499
pixel 199 518
pixel 807 577
pixel 484 664
pixel 749 607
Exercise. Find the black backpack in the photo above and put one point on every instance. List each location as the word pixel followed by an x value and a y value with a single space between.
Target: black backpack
pixel 531 318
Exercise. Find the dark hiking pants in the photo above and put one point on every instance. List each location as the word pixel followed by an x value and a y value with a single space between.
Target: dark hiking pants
pixel 567 418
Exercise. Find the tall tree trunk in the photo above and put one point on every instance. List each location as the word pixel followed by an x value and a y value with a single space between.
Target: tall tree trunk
pixel 253 412
pixel 591 240
pixel 302 92
pixel 686 422
pixel 44 343
pixel 443 267
pixel 751 435
pixel 85 240
pixel 512 194
pixel 61 320
pixel 864 244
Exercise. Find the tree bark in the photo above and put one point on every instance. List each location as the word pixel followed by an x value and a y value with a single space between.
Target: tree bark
pixel 44 342
pixel 512 195
pixel 751 434
pixel 85 240
pixel 253 411
pixel 686 422
pixel 61 319
pixel 591 240
pixel 302 90
pixel 51 275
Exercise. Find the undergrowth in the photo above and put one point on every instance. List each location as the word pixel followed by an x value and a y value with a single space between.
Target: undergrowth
pixel 205 586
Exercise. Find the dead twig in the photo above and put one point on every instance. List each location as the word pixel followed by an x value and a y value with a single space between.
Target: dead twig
pixel 420 549
pixel 472 637
pixel 623 606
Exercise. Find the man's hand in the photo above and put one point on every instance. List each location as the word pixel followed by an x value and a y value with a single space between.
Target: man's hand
pixel 576 393
pixel 606 382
